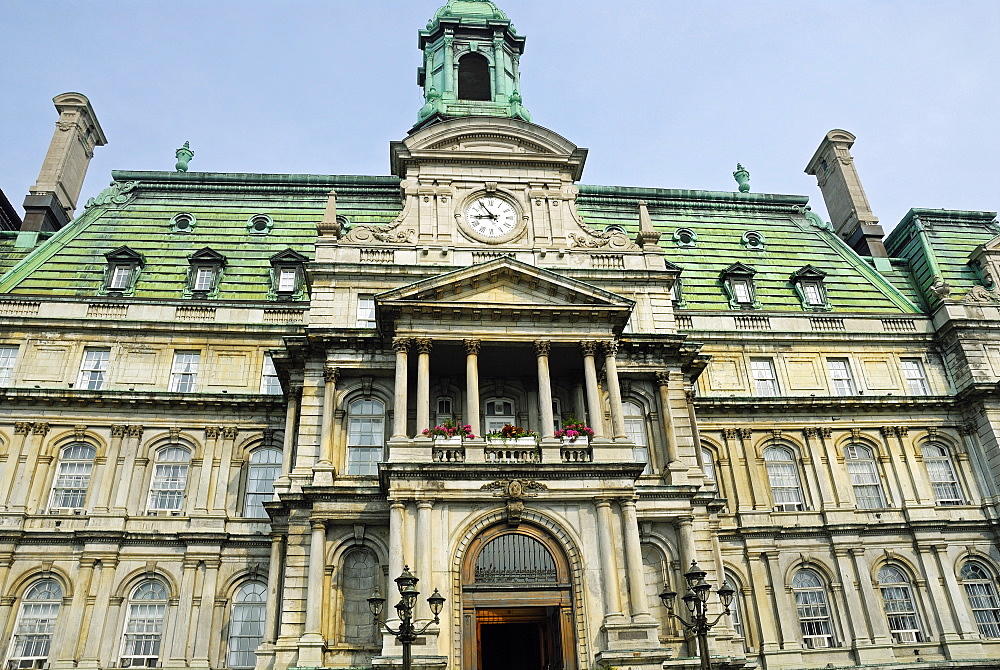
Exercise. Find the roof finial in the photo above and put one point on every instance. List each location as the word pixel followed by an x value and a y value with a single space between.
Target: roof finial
pixel 742 176
pixel 184 156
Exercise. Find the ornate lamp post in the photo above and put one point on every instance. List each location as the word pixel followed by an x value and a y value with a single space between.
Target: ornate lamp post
pixel 696 600
pixel 407 632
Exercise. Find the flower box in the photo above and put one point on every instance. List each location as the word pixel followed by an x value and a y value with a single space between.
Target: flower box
pixel 581 441
pixel 529 441
pixel 440 441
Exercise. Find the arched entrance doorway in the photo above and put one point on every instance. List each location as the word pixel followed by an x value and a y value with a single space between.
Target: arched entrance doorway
pixel 517 606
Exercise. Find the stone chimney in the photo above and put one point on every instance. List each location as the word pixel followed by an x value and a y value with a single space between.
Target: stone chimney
pixel 850 213
pixel 51 202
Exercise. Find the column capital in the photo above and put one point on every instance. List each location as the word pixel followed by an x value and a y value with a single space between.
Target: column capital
pixel 588 347
pixel 542 347
pixel 472 347
pixel 401 344
pixel 294 391
pixel 41 428
pixel 119 430
pixel 331 374
pixel 610 348
pixel 627 502
pixel 318 524
pixel 425 504
pixel 424 345
pixel 602 502
pixel 22 427
pixel 663 378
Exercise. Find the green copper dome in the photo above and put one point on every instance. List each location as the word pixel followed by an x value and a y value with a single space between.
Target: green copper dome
pixel 471 10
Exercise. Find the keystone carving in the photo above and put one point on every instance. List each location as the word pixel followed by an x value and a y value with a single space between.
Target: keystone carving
pixel 514 491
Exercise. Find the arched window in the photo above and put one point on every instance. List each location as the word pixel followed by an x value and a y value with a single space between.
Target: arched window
pixel 635 428
pixel 147 607
pixel 499 412
pixel 170 471
pixel 783 475
pixel 246 625
pixel 515 558
pixel 365 436
pixel 76 463
pixel 708 464
pixel 900 608
pixel 865 480
pixel 735 610
pixel 474 78
pixel 813 609
pixel 937 460
pixel 361 574
pixel 265 466
pixel 982 593
pixel 36 621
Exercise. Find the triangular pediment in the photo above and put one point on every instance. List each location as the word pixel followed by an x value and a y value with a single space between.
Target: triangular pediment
pixel 504 283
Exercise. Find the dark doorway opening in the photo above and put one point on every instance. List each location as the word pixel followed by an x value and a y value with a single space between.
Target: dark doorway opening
pixel 474 78
pixel 525 638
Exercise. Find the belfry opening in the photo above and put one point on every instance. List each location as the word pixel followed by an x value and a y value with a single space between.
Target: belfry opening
pixel 474 78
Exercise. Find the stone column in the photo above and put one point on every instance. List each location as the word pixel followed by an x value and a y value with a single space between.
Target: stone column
pixel 288 445
pixel 274 571
pixel 423 551
pixel 104 473
pixel 20 494
pixel 639 605
pixel 944 617
pixel 397 511
pixel 666 415
pixel 472 348
pixel 401 345
pixel 609 571
pixel 614 391
pixel 206 609
pixel 542 350
pixel 957 602
pixel 179 643
pixel 102 619
pixel 424 346
pixel 331 375
pixel 816 457
pixel 225 475
pixel 312 642
pixel 66 645
pixel 203 493
pixel 579 402
pixel 21 431
pixel 879 625
pixel 595 411
pixel 855 608
pixel 685 532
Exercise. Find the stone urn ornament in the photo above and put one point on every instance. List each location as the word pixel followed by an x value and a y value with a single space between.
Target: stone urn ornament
pixel 742 176
pixel 184 156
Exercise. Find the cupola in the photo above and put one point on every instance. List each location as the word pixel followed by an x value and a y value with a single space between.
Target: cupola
pixel 471 59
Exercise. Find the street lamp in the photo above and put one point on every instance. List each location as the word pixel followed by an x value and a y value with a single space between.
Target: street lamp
pixel 696 600
pixel 407 632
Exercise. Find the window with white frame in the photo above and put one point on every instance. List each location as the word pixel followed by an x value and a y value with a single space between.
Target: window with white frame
pixel 93 368
pixel 865 480
pixel 366 312
pixel 916 379
pixel 557 414
pixel 738 282
pixel 8 356
pixel 742 291
pixel 184 373
pixel 981 590
pixel 813 608
pixel 170 472
pixel 36 622
pixel 900 608
pixel 708 464
pixel 76 464
pixel 735 613
pixel 365 436
pixel 246 625
pixel 812 292
pixel 204 279
pixel 445 410
pixel 145 612
pixel 205 270
pixel 120 278
pixel 499 412
pixel 840 376
pixel 264 468
pixel 122 269
pixel 635 428
pixel 941 471
pixel 765 380
pixel 287 280
pixel 269 382
pixel 783 475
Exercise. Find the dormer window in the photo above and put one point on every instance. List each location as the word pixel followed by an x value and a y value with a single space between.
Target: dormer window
pixel 205 272
pixel 287 272
pixel 752 241
pixel 123 268
pixel 810 288
pixel 182 223
pixel 259 224
pixel 685 237
pixel 738 282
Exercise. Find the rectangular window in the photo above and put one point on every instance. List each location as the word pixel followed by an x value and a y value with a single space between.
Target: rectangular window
pixel 167 489
pixel 364 445
pixel 93 368
pixel 7 357
pixel 286 280
pixel 840 376
pixel 741 290
pixel 916 380
pixel 366 312
pixel 184 372
pixel 765 380
pixel 813 295
pixel 33 635
pixel 141 646
pixel 203 279
pixel 120 276
pixel 269 382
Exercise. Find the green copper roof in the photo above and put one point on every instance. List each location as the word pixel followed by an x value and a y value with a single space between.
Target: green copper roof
pixel 73 261
pixel 719 220
pixel 468 10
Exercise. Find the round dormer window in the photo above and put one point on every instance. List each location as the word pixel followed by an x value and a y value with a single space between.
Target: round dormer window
pixel 685 237
pixel 259 224
pixel 182 223
pixel 753 240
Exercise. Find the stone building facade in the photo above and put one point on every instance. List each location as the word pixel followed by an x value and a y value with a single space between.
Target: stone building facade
pixel 214 387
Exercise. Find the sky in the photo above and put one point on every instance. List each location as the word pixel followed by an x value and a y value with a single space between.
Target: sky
pixel 663 93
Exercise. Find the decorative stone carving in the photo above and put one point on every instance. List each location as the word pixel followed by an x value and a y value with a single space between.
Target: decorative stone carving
pixel 212 432
pixel 22 428
pixel 230 432
pixel 809 432
pixel 472 347
pixel 514 491
pixel 79 432
pixel 119 430
pixel 393 234
pixel 588 347
pixel 41 428
pixel 424 345
pixel 331 375
pixel 979 295
pixel 401 344
pixel 117 194
pixel 543 347
pixel 746 433
pixel 135 431
pixel 612 239
pixel 826 432
pixel 663 378
pixel 610 348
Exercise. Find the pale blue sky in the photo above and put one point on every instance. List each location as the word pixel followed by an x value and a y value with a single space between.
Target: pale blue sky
pixel 663 93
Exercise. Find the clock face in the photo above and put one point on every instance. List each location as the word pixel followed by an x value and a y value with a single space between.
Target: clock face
pixel 491 217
